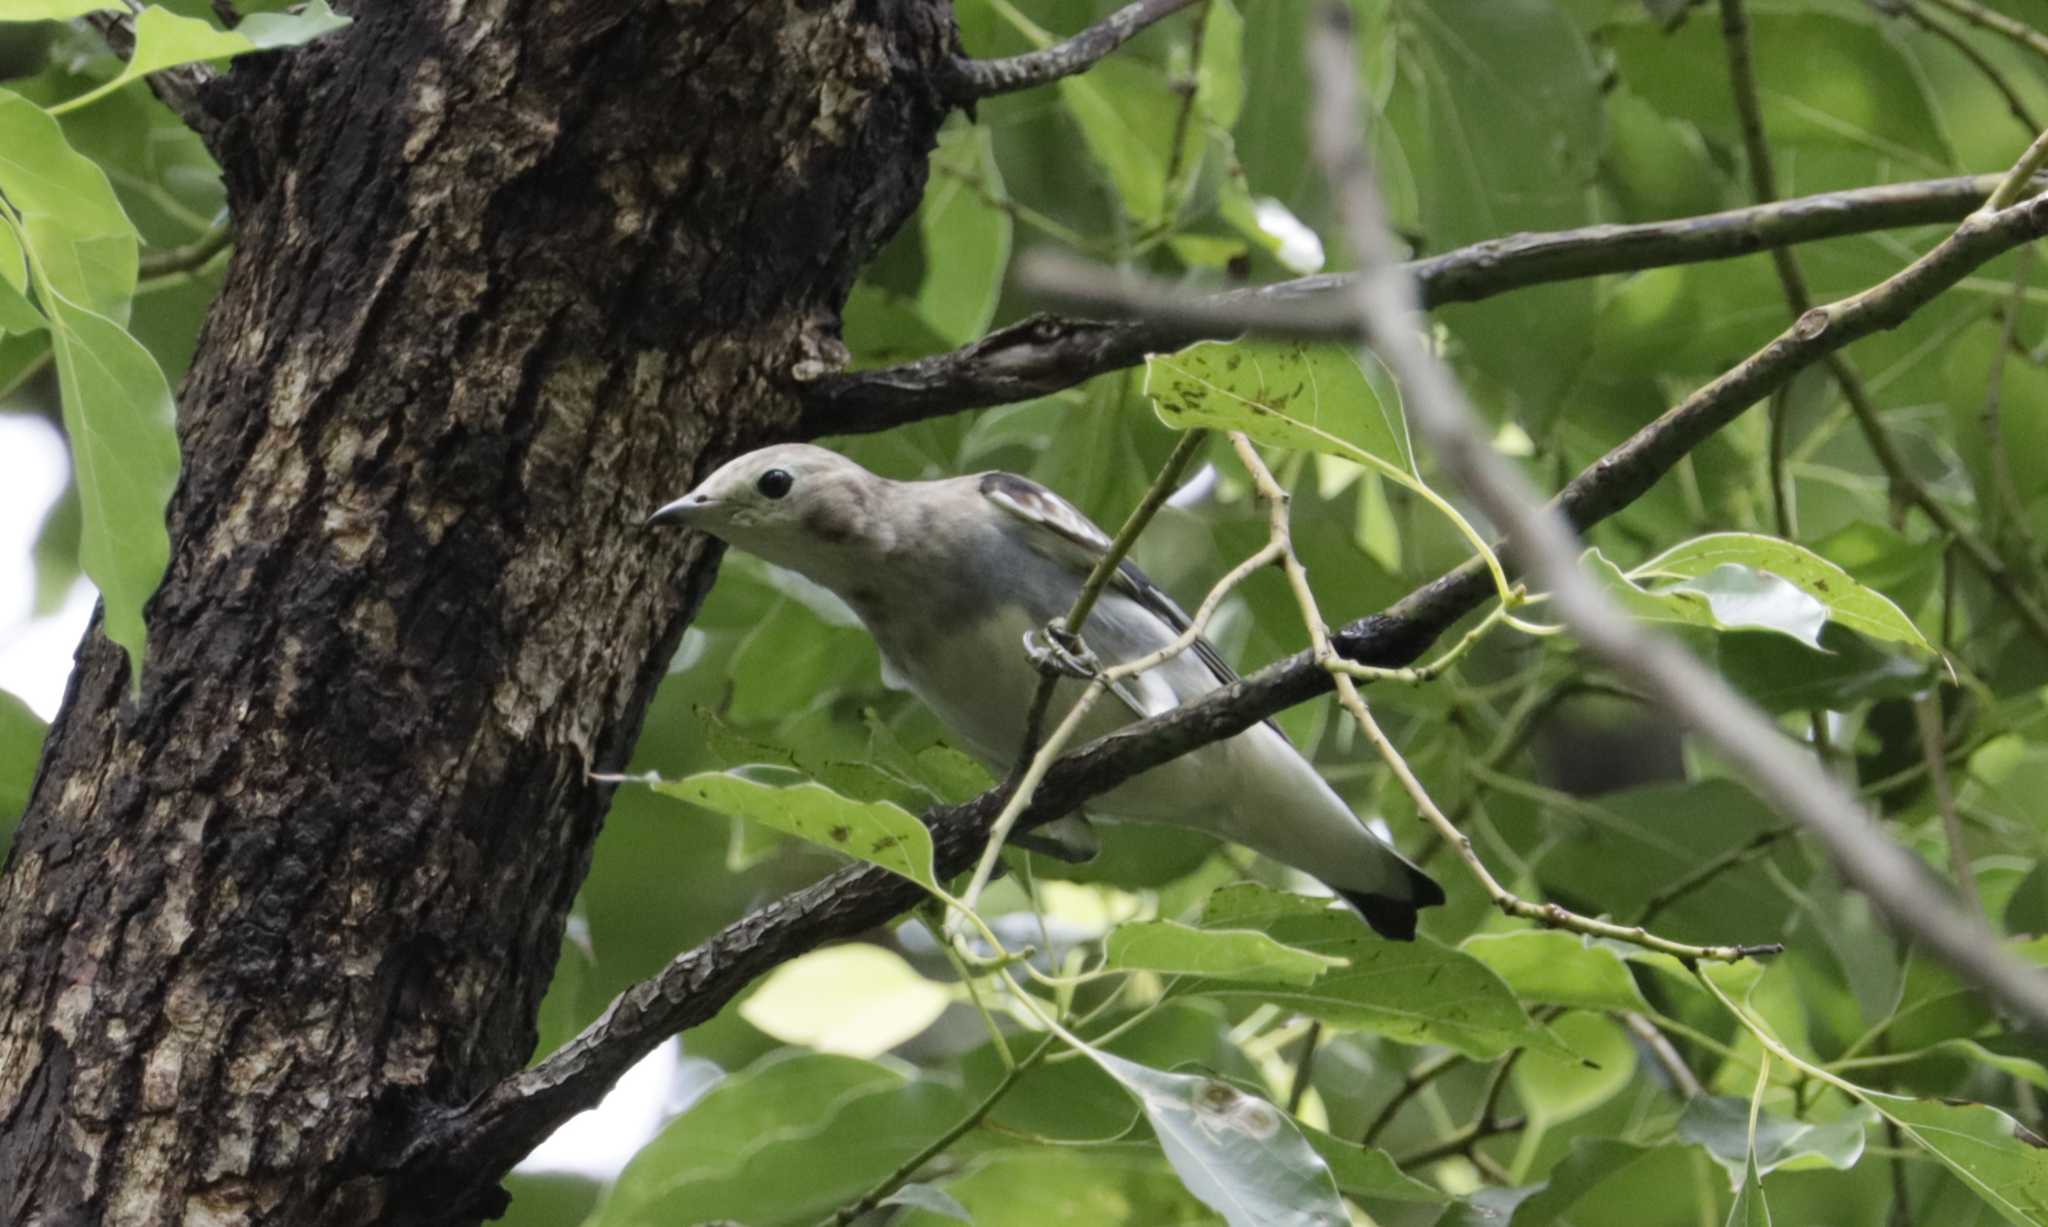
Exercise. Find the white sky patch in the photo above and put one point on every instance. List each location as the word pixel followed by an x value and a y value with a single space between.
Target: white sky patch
pixel 597 1143
pixel 35 653
pixel 1301 249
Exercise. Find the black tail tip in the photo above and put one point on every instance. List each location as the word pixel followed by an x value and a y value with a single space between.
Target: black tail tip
pixel 1394 918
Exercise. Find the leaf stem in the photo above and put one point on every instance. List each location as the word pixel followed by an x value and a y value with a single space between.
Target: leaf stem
pixel 1549 914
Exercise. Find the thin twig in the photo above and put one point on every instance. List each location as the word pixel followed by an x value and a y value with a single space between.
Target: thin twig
pixel 1304 1068
pixel 1550 914
pixel 1968 50
pixel 2019 183
pixel 1412 1083
pixel 1188 87
pixel 1785 775
pixel 1764 187
pixel 967 80
pixel 1927 716
pixel 1462 1141
pixel 2004 512
pixel 1748 850
pixel 1683 1080
pixel 1991 19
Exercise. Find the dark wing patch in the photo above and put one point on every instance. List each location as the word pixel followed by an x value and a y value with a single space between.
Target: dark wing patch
pixel 1085 544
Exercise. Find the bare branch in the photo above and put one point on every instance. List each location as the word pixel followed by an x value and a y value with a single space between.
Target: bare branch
pixel 1043 354
pixel 967 79
pixel 1896 882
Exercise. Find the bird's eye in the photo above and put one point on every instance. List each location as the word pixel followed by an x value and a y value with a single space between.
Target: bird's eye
pixel 775 483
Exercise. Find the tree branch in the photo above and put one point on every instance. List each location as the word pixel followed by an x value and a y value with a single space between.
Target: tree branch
pixel 1795 784
pixel 968 80
pixel 1043 354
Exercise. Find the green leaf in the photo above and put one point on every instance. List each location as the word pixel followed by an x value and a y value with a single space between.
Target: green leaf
pixel 1825 81
pixel 1622 848
pixel 785 1141
pixel 1288 394
pixel 70 221
pixel 1081 1102
pixel 1999 1159
pixel 1554 1089
pixel 1416 992
pixel 1749 1208
pixel 1219 77
pixel 1862 609
pixel 856 999
pixel 1848 671
pixel 1557 968
pixel 1171 948
pixel 1495 114
pixel 1881 557
pixel 1127 116
pixel 1720 1125
pixel 1728 599
pixel 80 258
pixel 1114 1186
pixel 940 772
pixel 17 314
pixel 124 456
pixel 1243 1157
pixel 164 39
pixel 966 238
pixel 300 24
pixel 1365 1172
pixel 21 748
pixel 57 10
pixel 873 831
pixel 1591 1164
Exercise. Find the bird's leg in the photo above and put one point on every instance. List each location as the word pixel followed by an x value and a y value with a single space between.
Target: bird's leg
pixel 1059 652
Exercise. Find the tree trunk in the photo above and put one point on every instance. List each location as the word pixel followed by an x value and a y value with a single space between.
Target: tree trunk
pixel 506 276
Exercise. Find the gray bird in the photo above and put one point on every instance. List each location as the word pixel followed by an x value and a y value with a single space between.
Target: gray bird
pixel 951 576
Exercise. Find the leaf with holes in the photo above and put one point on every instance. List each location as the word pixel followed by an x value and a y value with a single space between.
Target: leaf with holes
pixel 873 831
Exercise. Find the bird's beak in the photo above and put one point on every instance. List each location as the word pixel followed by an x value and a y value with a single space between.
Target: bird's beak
pixel 678 512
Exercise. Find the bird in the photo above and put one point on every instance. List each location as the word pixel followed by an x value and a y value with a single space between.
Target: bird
pixel 952 577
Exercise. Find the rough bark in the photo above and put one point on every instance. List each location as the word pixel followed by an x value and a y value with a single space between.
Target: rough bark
pixel 506 275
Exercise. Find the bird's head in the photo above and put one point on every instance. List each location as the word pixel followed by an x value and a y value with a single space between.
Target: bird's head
pixel 794 505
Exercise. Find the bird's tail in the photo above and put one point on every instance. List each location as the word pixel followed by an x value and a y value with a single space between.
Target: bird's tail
pixel 1393 915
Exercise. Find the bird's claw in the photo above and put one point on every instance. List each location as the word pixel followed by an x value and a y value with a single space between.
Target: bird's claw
pixel 1058 652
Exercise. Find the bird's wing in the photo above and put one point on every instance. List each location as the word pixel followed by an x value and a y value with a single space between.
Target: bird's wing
pixel 1072 537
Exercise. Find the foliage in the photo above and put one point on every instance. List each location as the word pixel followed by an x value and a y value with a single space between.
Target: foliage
pixel 1214 1045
